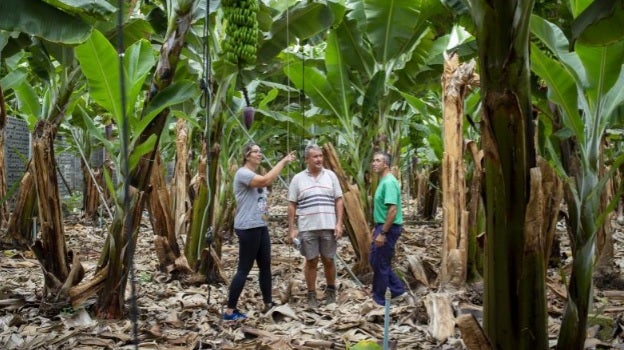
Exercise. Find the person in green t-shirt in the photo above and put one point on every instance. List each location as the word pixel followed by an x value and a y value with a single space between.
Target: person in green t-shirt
pixel 388 219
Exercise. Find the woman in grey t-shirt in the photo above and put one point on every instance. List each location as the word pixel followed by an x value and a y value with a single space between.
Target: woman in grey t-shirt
pixel 250 225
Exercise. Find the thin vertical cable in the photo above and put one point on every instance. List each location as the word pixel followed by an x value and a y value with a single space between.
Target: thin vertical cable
pixel 288 90
pixel 126 171
pixel 207 76
pixel 302 93
pixel 207 100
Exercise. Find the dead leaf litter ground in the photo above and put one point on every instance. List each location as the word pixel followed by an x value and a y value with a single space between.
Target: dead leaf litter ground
pixel 175 316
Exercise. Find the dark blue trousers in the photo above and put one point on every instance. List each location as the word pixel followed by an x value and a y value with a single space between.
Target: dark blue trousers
pixel 253 245
pixel 381 259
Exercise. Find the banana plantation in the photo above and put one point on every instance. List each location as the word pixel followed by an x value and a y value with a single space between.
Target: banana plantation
pixel 122 124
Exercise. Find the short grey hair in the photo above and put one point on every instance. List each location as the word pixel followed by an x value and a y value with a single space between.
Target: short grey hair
pixel 386 157
pixel 309 148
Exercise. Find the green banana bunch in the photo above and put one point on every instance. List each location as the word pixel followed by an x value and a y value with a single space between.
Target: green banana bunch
pixel 241 31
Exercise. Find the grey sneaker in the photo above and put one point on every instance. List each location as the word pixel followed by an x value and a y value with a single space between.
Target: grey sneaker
pixel 330 295
pixel 404 298
pixel 312 302
pixel 400 297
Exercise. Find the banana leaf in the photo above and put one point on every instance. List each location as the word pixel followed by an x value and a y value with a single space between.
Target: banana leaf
pixel 42 20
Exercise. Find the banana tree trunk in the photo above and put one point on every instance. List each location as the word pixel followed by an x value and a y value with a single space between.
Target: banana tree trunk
pixel 206 234
pixel 50 248
pixel 604 237
pixel 553 189
pixel 515 264
pixel 121 246
pixel 456 82
pixel 203 246
pixel 421 178
pixel 582 230
pixel 355 220
pixel 198 212
pixel 210 201
pixel 605 246
pixel 61 268
pixel 474 263
pixel 222 204
pixel 413 178
pixel 168 250
pixel 212 167
pixel 4 208
pixel 95 192
pixel 116 259
pixel 90 193
pixel 430 200
pixel 20 224
pixel 180 190
pixel 20 227
pixel 573 328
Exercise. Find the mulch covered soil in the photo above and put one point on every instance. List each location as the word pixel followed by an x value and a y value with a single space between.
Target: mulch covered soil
pixel 172 315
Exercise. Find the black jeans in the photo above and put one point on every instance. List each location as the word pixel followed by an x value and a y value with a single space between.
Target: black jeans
pixel 254 244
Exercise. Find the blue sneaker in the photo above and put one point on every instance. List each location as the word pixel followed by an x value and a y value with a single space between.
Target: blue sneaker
pixel 234 316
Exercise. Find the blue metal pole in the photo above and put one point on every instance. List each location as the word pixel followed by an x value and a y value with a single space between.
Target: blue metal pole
pixel 387 320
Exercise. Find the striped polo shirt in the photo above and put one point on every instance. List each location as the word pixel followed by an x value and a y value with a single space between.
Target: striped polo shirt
pixel 316 199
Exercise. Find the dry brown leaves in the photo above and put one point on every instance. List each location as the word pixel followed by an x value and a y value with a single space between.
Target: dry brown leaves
pixel 174 316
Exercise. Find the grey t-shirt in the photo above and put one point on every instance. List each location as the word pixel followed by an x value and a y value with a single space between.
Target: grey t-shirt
pixel 252 209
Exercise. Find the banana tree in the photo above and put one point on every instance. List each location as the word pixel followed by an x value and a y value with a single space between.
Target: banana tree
pixel 585 81
pixel 23 93
pixel 350 78
pixel 43 30
pixel 52 30
pixel 225 102
pixel 60 271
pixel 42 20
pixel 4 211
pixel 100 65
pixel 352 82
pixel 514 198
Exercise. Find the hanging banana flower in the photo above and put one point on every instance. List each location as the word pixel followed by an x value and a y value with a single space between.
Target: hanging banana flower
pixel 248 116
pixel 248 111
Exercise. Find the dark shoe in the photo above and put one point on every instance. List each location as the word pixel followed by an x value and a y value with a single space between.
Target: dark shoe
pixel 234 316
pixel 312 302
pixel 268 307
pixel 330 295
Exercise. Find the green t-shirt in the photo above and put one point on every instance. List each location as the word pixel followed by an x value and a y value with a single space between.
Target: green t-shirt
pixel 388 192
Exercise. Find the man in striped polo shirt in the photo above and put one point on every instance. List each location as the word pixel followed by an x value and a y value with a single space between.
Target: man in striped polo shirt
pixel 315 197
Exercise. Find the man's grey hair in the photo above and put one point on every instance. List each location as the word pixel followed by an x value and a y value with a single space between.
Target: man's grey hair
pixel 386 157
pixel 310 147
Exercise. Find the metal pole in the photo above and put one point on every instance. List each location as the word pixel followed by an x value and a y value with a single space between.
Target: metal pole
pixel 387 320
